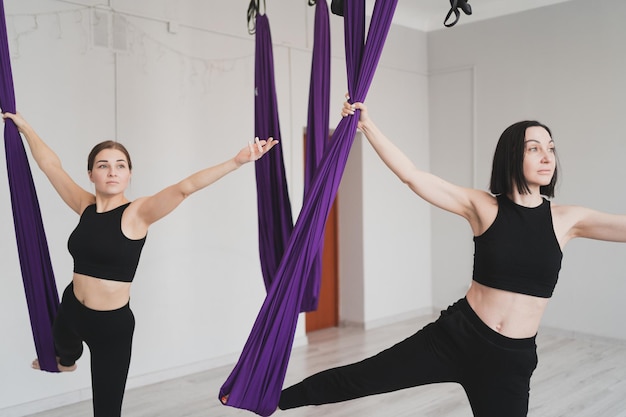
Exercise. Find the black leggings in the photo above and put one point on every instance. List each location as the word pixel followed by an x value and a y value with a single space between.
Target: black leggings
pixel 109 336
pixel 458 347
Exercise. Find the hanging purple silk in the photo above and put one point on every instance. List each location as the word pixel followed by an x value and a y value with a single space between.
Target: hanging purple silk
pixel 39 284
pixel 256 381
pixel 274 207
pixel 317 131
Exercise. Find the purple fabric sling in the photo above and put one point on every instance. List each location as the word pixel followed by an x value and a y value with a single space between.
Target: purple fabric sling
pixel 39 284
pixel 317 132
pixel 256 381
pixel 274 207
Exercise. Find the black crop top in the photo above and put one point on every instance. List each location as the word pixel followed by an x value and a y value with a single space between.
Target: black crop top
pixel 519 252
pixel 100 249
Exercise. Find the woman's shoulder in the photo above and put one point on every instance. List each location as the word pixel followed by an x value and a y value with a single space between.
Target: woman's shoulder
pixel 566 220
pixel 86 203
pixel 485 207
pixel 133 225
pixel 566 210
pixel 484 199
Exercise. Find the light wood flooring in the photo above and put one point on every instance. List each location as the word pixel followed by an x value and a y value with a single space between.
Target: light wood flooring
pixel 577 376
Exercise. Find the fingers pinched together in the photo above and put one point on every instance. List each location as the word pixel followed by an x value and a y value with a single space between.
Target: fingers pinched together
pixel 260 148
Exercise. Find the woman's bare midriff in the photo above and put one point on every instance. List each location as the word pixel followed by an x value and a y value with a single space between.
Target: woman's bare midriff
pixel 511 314
pixel 101 294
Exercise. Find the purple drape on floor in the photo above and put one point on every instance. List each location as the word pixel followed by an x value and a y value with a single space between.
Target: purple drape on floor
pixel 317 132
pixel 39 284
pixel 274 207
pixel 256 381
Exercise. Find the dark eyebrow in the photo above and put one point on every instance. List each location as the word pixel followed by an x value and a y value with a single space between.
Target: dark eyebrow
pixel 104 160
pixel 536 141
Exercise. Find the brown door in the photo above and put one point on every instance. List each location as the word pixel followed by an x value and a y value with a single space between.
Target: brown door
pixel 327 313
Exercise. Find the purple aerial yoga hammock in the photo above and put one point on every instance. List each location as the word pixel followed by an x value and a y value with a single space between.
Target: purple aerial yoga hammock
pixel 256 381
pixel 274 207
pixel 317 132
pixel 39 284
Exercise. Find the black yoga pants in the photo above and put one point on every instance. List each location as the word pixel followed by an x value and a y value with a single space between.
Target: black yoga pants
pixel 109 336
pixel 458 347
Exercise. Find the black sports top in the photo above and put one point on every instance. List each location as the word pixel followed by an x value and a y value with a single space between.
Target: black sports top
pixel 519 252
pixel 99 247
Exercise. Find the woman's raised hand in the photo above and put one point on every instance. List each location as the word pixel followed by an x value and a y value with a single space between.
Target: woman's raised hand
pixel 255 150
pixel 17 118
pixel 349 109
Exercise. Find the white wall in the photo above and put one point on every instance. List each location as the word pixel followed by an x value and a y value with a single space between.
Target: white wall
pixel 387 276
pixel 183 100
pixel 180 97
pixel 563 65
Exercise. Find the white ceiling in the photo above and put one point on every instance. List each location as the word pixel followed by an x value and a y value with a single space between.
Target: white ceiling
pixel 427 15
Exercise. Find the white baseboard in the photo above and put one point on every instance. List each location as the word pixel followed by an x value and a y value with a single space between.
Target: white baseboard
pixel 26 409
pixel 44 404
pixel 573 334
pixel 180 371
pixel 385 321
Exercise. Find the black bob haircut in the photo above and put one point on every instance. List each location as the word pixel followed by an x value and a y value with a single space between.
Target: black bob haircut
pixel 508 162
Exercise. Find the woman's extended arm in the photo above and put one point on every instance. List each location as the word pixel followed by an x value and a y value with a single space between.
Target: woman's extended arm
pixel 576 221
pixel 150 209
pixel 74 196
pixel 435 190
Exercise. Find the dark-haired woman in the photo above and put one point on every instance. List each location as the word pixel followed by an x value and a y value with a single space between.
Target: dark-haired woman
pixel 486 340
pixel 106 246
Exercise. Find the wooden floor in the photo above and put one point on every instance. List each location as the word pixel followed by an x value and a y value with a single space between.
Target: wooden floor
pixel 577 376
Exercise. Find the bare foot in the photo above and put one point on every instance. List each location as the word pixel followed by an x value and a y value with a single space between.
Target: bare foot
pixel 224 398
pixel 35 365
